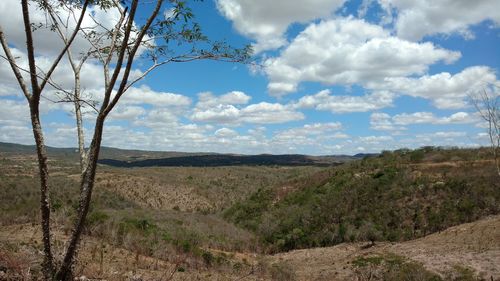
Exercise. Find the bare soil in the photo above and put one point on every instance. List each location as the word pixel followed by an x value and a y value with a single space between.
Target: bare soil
pixel 473 245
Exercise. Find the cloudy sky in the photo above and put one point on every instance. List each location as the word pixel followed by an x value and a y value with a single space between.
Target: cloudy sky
pixel 329 77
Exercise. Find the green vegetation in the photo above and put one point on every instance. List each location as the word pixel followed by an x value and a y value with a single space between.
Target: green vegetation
pixel 397 196
pixel 202 217
pixel 391 268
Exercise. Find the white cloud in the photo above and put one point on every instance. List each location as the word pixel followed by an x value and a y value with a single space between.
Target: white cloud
pixel 228 109
pixel 269 113
pixel 309 135
pixel 419 18
pixel 312 130
pixel 375 139
pixel 325 101
pixel 225 133
pixel 446 91
pixel 15 122
pixel 349 51
pixel 126 113
pixel 222 114
pixel 430 118
pixel 442 138
pixel 384 122
pixel 47 41
pixel 209 100
pixel 12 111
pixel 267 21
pixel 169 13
pixel 145 95
pixel 160 118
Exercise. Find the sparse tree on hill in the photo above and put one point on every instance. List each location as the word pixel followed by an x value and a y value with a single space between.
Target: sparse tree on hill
pixel 487 104
pixel 159 40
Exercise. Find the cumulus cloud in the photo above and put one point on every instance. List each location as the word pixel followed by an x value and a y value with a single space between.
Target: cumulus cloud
pixel 325 101
pixel 47 42
pixel 208 100
pixel 127 113
pixel 430 118
pixel 229 109
pixel 384 122
pixel 267 21
pixel 14 112
pixel 446 91
pixel 375 139
pixel 225 133
pixel 145 95
pixel 158 118
pixel 260 113
pixel 316 136
pixel 349 51
pixel 416 19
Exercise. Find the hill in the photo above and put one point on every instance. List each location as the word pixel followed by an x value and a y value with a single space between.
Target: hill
pixel 141 158
pixel 397 196
pixel 228 160
pixel 464 252
pixel 383 217
pixel 105 152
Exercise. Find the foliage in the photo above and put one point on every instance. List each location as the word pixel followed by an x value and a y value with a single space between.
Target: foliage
pixel 396 196
pixel 391 268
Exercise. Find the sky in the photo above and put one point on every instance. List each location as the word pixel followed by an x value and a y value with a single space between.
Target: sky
pixel 327 77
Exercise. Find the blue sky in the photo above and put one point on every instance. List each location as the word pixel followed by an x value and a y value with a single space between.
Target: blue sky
pixel 333 77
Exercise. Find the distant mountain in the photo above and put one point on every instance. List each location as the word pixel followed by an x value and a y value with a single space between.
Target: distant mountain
pixel 106 152
pixel 229 160
pixel 363 155
pixel 139 158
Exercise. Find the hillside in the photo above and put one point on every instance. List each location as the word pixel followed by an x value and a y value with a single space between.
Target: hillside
pixel 105 152
pixel 266 222
pixel 397 196
pixel 141 158
pixel 229 160
pixel 465 252
pixel 457 253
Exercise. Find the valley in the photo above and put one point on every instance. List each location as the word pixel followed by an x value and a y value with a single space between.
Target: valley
pixel 425 214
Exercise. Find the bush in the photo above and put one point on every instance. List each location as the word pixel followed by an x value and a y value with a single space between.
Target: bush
pixel 378 198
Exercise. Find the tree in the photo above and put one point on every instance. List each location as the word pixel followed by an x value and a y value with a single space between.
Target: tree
pixel 487 104
pixel 175 38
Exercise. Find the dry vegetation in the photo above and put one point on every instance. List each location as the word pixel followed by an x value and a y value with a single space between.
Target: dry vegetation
pixel 153 223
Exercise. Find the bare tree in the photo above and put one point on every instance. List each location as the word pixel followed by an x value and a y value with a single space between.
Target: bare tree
pixel 487 104
pixel 158 41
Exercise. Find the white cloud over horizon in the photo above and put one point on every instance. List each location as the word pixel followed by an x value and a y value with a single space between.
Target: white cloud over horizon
pixel 336 82
pixel 346 51
pixel 267 21
pixel 419 18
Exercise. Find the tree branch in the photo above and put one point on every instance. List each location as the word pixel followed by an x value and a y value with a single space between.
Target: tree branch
pixel 10 58
pixel 67 45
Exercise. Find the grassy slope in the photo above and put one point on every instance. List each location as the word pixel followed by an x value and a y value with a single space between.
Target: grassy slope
pixel 397 196
pixel 173 207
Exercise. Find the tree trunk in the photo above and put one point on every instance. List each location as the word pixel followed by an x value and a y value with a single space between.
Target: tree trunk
pixel 79 123
pixel 48 268
pixel 86 187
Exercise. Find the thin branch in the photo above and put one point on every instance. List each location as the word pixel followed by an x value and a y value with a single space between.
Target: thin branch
pixel 121 56
pixel 70 41
pixel 131 56
pixel 178 59
pixel 10 58
pixel 35 89
pixel 18 68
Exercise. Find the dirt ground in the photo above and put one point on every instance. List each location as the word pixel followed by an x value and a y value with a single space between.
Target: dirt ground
pixel 473 245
